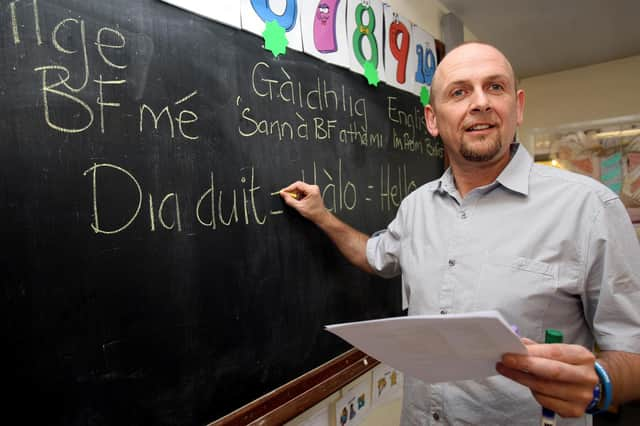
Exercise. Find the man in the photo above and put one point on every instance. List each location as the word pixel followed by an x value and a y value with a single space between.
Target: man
pixel 547 248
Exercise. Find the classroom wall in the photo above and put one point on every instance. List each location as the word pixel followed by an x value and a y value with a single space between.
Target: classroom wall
pixel 594 92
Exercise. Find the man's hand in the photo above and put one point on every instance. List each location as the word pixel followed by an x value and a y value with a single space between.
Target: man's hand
pixel 306 199
pixel 561 377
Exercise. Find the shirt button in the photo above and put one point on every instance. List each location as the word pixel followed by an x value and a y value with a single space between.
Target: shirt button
pixel 436 416
pixel 463 215
pixel 452 262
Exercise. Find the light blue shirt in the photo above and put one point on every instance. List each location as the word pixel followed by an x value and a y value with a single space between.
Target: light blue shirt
pixel 545 247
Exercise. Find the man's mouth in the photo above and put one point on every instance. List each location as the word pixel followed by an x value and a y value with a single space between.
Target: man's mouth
pixel 479 127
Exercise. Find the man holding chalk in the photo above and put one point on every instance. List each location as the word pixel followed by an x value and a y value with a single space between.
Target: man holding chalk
pixel 546 248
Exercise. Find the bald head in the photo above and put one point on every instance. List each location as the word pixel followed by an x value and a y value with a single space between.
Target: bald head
pixel 457 55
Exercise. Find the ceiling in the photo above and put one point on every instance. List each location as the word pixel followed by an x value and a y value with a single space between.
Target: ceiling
pixel 544 36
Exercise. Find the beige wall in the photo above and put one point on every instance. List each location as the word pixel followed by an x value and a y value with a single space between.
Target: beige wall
pixel 595 92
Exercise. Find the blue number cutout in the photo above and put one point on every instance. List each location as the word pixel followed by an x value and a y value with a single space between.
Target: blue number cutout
pixel 426 65
pixel 287 20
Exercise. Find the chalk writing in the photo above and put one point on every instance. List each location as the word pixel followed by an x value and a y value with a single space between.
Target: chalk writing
pixel 350 126
pixel 57 80
pixel 15 25
pixel 83 85
pixel 101 228
pixel 220 206
pixel 192 117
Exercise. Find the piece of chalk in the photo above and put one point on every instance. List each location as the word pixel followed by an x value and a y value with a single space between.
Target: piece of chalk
pixel 293 194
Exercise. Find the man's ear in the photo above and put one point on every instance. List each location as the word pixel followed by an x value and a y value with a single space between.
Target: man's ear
pixel 520 106
pixel 430 119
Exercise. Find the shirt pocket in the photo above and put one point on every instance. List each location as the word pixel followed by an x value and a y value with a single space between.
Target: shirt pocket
pixel 521 289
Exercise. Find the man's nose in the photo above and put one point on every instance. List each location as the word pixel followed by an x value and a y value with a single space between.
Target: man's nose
pixel 480 102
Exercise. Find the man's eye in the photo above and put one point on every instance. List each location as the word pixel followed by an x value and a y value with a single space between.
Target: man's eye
pixel 496 87
pixel 457 93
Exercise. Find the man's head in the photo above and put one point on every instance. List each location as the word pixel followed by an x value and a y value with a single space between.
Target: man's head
pixel 475 105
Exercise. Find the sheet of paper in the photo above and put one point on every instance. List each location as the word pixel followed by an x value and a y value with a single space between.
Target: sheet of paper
pixel 436 348
pixel 354 405
pixel 387 385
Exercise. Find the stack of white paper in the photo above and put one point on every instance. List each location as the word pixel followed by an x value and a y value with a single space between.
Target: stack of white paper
pixel 436 348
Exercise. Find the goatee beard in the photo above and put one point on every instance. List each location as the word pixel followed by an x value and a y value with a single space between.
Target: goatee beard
pixel 472 155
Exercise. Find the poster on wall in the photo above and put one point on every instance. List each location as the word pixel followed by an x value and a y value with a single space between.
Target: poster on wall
pixel 355 403
pixel 387 385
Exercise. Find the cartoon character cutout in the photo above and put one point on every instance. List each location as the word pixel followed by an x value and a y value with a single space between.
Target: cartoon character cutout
pixel 324 26
pixel 382 383
pixel 361 401
pixel 344 416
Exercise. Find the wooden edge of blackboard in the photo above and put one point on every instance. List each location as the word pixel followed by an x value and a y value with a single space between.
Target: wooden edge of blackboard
pixel 293 398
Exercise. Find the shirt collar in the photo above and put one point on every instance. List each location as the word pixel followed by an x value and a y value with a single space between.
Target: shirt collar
pixel 514 177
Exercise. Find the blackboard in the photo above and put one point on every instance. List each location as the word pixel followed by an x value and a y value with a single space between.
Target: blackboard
pixel 149 274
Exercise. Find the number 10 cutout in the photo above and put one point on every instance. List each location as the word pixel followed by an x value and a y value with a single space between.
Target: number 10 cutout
pixel 426 65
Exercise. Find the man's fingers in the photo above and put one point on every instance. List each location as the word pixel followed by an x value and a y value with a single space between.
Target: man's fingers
pixel 561 407
pixel 296 191
pixel 296 186
pixel 551 369
pixel 577 393
pixel 570 354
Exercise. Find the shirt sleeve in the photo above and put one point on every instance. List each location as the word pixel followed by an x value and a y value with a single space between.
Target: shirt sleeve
pixel 383 249
pixel 613 279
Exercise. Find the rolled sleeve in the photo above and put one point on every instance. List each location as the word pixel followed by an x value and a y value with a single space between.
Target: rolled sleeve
pixel 383 251
pixel 614 278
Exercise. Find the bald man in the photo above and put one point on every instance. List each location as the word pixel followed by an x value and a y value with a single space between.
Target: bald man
pixel 545 247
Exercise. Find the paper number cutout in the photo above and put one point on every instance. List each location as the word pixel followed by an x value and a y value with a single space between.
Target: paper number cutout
pixel 324 26
pixel 287 20
pixel 401 53
pixel 426 65
pixel 365 31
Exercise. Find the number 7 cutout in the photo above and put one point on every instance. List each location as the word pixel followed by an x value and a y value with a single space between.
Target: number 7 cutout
pixel 324 30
